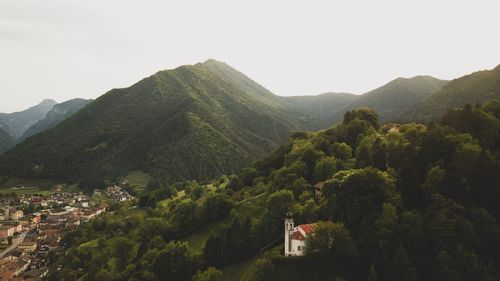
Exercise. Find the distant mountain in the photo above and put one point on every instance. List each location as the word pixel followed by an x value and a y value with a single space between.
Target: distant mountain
pixel 6 141
pixel 18 122
pixel 477 87
pixel 192 122
pixel 321 109
pixel 56 115
pixel 393 98
pixel 390 100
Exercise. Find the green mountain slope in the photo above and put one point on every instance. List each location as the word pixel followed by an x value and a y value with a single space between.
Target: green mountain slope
pixel 18 122
pixel 56 115
pixel 407 202
pixel 477 87
pixel 6 141
pixel 193 122
pixel 393 98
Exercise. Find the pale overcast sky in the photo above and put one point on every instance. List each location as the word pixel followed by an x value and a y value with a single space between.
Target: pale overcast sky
pixel 65 49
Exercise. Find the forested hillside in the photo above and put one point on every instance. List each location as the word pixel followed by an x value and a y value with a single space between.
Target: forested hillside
pixel 192 122
pixel 401 202
pixel 6 141
pixel 477 87
pixel 393 98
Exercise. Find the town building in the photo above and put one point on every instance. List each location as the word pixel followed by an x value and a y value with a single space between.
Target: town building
pixel 318 189
pixel 28 246
pixel 7 231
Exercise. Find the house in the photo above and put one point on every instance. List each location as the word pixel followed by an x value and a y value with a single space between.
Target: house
pixel 295 237
pixel 28 246
pixel 318 189
pixel 16 215
pixel 7 231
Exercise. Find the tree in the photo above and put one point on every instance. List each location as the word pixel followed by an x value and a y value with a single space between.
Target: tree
pixel 381 261
pixel 247 175
pixel 363 158
pixel 356 197
pixel 342 151
pixel 264 270
pixel 213 252
pixel 372 275
pixel 176 262
pixel 348 117
pixel 379 154
pixel 196 192
pixel 299 186
pixel 330 239
pixel 235 183
pixel 434 180
pixel 147 200
pixel 154 184
pixel 401 266
pixel 279 203
pixel 387 221
pixel 217 206
pixel 325 168
pixel 211 274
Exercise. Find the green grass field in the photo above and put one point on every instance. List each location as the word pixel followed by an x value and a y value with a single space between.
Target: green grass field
pixel 138 180
pixel 252 207
pixel 30 191
pixel 89 244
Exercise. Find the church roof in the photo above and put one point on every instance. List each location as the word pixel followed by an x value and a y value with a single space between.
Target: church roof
pixel 308 228
pixel 303 228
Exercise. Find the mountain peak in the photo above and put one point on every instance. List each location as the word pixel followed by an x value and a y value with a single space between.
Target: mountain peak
pixel 213 61
pixel 49 102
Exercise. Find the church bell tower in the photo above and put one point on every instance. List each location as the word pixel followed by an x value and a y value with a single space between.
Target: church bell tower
pixel 288 232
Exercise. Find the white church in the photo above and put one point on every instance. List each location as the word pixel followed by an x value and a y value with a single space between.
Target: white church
pixel 295 237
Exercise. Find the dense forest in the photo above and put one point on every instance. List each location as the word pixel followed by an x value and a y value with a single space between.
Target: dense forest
pixel 403 202
pixel 6 141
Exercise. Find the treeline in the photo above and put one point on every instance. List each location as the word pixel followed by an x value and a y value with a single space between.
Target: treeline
pixel 399 202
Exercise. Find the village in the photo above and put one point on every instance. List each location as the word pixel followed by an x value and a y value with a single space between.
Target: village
pixel 32 227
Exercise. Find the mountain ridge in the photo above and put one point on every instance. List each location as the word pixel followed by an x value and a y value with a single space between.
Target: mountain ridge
pixel 477 87
pixel 230 118
pixel 56 115
pixel 16 123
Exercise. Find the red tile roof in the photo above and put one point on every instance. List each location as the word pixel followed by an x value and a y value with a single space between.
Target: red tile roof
pixel 308 228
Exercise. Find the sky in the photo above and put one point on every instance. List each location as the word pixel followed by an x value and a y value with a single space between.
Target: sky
pixel 63 49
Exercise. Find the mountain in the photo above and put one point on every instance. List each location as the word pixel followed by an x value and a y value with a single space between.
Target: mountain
pixel 192 122
pixel 477 87
pixel 393 98
pixel 321 109
pixel 6 141
pixel 18 122
pixel 56 115
pixel 390 100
